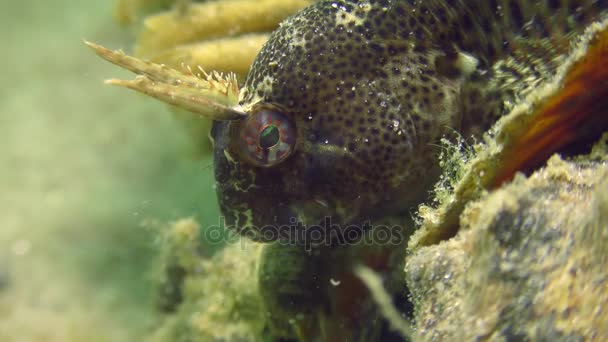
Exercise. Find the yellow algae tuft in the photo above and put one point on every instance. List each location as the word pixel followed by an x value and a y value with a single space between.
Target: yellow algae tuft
pixel 230 54
pixel 210 20
pixel 128 12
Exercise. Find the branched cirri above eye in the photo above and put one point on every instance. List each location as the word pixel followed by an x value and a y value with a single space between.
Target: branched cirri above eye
pixel 267 138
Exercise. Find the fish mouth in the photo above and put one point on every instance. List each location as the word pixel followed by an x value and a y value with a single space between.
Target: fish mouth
pixel 309 224
pixel 267 224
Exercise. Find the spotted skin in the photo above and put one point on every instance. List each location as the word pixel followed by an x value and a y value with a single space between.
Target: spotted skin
pixel 371 87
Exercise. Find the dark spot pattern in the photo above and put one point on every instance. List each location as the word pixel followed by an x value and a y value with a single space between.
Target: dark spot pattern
pixel 378 83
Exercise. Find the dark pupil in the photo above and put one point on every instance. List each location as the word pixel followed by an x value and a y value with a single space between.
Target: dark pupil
pixel 269 136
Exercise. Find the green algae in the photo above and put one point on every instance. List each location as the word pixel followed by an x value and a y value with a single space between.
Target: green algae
pixel 219 297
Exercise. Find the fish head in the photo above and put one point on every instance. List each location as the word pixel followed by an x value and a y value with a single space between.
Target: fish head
pixel 326 141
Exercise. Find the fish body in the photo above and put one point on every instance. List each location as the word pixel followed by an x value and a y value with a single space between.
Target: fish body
pixel 368 89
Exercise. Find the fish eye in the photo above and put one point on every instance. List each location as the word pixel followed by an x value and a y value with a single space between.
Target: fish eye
pixel 267 138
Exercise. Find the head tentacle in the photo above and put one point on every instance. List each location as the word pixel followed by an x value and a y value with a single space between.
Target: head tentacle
pixel 212 95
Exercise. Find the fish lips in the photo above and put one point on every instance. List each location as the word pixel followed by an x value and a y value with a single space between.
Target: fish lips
pixel 301 223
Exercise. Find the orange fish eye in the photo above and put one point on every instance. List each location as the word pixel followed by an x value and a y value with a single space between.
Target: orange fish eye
pixel 267 138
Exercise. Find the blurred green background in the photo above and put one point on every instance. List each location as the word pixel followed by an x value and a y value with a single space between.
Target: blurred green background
pixel 88 174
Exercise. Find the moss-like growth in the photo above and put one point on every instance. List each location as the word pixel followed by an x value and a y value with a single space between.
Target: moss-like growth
pixel 528 262
pixel 218 296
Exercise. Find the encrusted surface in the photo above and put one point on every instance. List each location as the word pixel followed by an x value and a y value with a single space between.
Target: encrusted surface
pixel 218 297
pixel 529 262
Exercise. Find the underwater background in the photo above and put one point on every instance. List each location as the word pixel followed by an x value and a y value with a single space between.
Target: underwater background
pixel 98 186
pixel 89 173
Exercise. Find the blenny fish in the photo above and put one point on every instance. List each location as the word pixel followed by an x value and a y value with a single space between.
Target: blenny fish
pixel 347 98
pixel 336 127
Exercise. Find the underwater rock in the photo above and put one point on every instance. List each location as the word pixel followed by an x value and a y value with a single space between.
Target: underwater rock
pixel 525 259
pixel 528 263
pixel 218 296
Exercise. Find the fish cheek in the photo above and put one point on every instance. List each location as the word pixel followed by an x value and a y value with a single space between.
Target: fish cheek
pixel 329 185
pixel 253 200
pixel 252 203
pixel 233 182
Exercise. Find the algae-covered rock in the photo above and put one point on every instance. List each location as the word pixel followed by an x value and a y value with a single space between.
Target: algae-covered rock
pixel 523 259
pixel 528 263
pixel 208 299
